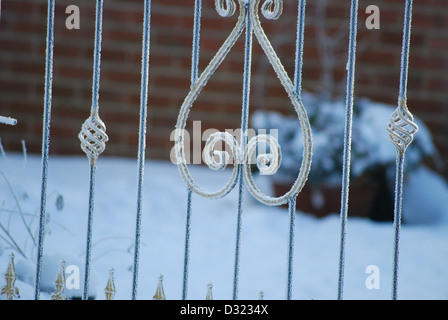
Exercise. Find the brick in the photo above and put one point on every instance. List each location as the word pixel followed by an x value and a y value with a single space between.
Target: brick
pixel 27 67
pixel 219 105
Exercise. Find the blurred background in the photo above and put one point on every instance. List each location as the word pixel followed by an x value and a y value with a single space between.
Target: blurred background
pixel 22 68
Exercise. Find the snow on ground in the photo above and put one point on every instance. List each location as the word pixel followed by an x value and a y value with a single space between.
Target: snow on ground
pixel 423 254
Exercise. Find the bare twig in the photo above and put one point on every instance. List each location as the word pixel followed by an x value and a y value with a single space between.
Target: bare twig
pixel 12 242
pixel 18 207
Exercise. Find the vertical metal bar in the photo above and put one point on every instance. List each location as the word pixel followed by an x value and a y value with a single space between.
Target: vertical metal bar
pixel 196 40
pixel 142 137
pixel 95 107
pixel 347 140
pixel 292 218
pixel 89 231
pixel 298 89
pixel 238 233
pixel 405 49
pixel 244 126
pixel 97 55
pixel 187 246
pixel 401 153
pixel 299 47
pixel 194 77
pixel 397 221
pixel 45 141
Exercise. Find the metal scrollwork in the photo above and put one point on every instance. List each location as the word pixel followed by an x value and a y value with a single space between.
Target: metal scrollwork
pixel 272 9
pixel 401 127
pixel 223 156
pixel 93 137
pixel 268 163
pixel 225 8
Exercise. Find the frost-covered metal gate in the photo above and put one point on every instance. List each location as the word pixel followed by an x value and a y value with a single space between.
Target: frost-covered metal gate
pixel 93 136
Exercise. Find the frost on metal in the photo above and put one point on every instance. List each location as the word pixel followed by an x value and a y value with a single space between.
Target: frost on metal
pixel 272 9
pixel 225 8
pixel 93 137
pixel 242 152
pixel 401 127
pixel 209 295
pixel 110 289
pixel 160 293
pixel 10 291
pixel 8 121
pixel 401 130
pixel 60 284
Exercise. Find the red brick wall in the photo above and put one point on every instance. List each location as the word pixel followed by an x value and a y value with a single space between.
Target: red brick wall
pixel 22 51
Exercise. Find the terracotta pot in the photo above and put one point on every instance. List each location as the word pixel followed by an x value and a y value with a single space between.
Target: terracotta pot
pixel 323 200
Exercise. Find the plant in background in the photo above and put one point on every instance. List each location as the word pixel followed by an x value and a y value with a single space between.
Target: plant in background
pixel 372 155
pixel 371 149
pixel 21 237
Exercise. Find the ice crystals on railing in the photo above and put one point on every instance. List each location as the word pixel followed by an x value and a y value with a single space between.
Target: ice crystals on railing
pixel 401 127
pixel 110 287
pixel 8 121
pixel 243 153
pixel 10 290
pixel 93 137
pixel 60 284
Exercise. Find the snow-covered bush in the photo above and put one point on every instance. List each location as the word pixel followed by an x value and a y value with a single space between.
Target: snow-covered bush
pixel 371 149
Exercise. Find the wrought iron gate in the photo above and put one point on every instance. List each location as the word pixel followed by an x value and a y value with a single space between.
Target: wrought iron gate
pixel 93 135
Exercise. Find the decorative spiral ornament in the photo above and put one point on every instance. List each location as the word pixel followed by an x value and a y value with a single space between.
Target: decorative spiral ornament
pixel 194 93
pixel 225 8
pixel 272 9
pixel 93 137
pixel 268 164
pixel 401 127
pixel 210 154
pixel 295 100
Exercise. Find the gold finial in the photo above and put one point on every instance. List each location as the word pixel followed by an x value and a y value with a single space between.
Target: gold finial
pixel 10 290
pixel 110 288
pixel 60 284
pixel 160 294
pixel 209 292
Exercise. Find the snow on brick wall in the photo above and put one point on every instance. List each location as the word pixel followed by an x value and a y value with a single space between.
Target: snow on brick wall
pixel 22 49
